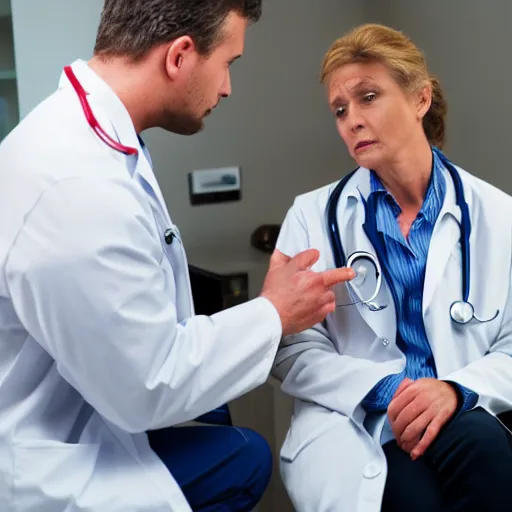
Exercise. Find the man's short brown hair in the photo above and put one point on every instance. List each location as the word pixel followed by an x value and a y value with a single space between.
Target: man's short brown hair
pixel 131 28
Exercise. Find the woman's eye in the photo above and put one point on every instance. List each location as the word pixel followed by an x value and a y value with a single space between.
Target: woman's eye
pixel 340 112
pixel 368 98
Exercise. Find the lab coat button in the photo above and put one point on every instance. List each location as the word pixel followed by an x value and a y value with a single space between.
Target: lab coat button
pixel 385 342
pixel 372 470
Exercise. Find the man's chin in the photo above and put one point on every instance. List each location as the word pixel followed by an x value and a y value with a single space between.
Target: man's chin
pixel 185 127
pixel 192 130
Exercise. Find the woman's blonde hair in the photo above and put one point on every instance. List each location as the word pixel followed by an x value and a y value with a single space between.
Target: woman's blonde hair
pixel 406 63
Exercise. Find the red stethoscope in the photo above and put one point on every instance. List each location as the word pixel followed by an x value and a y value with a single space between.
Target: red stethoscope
pixel 91 119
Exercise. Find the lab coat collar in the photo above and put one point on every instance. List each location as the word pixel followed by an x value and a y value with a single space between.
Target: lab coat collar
pixel 446 234
pixel 351 218
pixel 359 188
pixel 106 99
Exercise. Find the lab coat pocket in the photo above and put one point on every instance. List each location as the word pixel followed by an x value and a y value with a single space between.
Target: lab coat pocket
pixel 307 425
pixel 46 470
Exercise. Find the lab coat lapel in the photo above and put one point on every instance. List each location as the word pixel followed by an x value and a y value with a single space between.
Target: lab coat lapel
pixel 139 166
pixel 445 237
pixel 354 238
pixel 175 252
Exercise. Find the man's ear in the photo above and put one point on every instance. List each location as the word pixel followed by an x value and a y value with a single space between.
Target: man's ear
pixel 181 54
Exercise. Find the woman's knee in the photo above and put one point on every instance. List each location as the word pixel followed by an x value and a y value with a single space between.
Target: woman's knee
pixel 476 428
pixel 474 436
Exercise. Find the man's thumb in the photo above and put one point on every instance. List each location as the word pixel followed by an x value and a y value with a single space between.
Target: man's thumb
pixel 278 259
pixel 305 259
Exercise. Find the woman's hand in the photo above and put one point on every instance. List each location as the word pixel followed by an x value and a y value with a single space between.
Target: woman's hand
pixel 418 411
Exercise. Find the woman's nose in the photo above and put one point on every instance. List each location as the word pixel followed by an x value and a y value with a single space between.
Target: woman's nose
pixel 355 120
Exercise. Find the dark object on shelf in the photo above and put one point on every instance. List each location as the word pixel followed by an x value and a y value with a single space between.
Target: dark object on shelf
pixel 264 237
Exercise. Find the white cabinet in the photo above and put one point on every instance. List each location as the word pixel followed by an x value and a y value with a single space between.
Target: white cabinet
pixel 9 110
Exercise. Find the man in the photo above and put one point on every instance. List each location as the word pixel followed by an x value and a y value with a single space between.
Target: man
pixel 100 350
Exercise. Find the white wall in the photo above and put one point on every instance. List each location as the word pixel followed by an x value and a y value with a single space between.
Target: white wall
pixel 48 35
pixel 467 44
pixel 276 126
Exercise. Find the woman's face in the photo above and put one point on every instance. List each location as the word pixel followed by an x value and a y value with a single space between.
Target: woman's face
pixel 375 117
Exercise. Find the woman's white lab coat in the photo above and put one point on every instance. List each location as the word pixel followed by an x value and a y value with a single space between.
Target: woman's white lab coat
pixel 329 460
pixel 97 339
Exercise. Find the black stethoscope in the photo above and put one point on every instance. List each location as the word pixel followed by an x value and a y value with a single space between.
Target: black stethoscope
pixel 170 234
pixel 461 311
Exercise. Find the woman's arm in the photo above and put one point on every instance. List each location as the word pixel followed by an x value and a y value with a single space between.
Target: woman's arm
pixel 308 364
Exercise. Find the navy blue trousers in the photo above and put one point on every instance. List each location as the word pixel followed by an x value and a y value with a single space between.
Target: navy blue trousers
pixel 467 468
pixel 221 469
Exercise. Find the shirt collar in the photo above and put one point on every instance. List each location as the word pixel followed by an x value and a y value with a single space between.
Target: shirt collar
pixel 436 192
pixel 434 196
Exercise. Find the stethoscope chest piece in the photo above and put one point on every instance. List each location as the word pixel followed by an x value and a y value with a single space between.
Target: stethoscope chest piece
pixel 367 283
pixel 462 312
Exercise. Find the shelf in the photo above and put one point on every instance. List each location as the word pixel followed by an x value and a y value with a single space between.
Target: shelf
pixel 7 74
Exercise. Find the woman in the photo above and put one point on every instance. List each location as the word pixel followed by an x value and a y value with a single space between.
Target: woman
pixel 396 398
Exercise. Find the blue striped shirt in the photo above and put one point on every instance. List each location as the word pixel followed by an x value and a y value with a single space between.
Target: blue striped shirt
pixel 405 260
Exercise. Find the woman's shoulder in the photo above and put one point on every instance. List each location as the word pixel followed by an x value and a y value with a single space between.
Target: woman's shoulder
pixel 484 193
pixel 317 199
pixel 314 198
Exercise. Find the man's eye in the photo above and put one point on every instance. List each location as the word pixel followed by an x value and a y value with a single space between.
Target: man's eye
pixel 368 98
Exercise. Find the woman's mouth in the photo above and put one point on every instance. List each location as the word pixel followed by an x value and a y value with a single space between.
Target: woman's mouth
pixel 364 144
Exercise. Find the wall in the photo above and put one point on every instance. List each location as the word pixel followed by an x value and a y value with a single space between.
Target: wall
pixel 5 7
pixel 47 36
pixel 467 44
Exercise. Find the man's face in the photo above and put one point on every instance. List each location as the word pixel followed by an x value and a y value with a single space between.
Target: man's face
pixel 206 80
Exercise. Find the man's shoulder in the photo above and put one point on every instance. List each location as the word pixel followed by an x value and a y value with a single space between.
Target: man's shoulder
pixel 54 142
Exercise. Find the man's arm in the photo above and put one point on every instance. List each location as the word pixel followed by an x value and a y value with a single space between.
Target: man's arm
pixel 86 278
